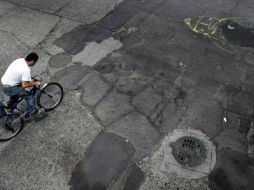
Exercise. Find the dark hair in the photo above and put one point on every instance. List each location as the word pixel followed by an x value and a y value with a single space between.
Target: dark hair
pixel 32 57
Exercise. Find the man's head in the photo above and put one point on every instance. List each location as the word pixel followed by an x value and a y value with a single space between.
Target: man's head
pixel 31 59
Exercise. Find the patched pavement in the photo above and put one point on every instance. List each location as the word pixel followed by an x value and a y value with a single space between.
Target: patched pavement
pixel 136 79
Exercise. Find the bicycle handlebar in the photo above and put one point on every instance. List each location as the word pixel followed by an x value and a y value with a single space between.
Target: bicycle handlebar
pixel 39 77
pixel 36 79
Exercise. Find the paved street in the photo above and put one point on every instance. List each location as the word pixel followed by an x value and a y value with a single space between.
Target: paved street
pixel 158 94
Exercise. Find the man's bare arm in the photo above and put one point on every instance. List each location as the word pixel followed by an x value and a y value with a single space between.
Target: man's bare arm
pixel 28 84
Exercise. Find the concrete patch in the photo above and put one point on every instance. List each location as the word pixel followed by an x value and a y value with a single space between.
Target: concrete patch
pixel 152 23
pixel 139 131
pixel 46 5
pixel 94 88
pixel 94 52
pixel 134 179
pixel 212 88
pixel 245 125
pixel 46 152
pixel 110 77
pixel 147 50
pixel 126 11
pixel 232 167
pixel 146 101
pixel 173 182
pixel 124 61
pixel 170 117
pixel 74 41
pixel 41 67
pixel 5 7
pixel 189 73
pixel 37 25
pixel 117 18
pixel 185 8
pixel 244 10
pixel 248 77
pixel 240 103
pixel 164 87
pixel 130 85
pixel 112 107
pixel 60 60
pixel 249 58
pixel 163 163
pixel 11 48
pixel 69 77
pixel 233 139
pixel 148 5
pixel 88 11
pixel 156 117
pixel 203 114
pixel 233 121
pixel 105 65
pixel 220 67
pixel 62 27
pixel 133 22
pixel 101 166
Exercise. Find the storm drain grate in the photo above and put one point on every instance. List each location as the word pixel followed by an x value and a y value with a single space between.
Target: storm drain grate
pixel 189 151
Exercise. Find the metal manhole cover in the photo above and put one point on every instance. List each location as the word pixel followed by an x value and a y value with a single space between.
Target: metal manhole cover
pixel 60 60
pixel 189 151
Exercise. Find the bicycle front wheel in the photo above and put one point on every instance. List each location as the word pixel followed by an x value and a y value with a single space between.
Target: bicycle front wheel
pixel 10 126
pixel 50 96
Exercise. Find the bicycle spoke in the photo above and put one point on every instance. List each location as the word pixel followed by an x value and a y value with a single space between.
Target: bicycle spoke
pixel 10 126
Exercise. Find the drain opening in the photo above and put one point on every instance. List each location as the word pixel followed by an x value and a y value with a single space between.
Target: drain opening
pixel 189 151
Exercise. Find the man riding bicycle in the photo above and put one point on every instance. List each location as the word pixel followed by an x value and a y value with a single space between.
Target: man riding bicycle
pixel 17 78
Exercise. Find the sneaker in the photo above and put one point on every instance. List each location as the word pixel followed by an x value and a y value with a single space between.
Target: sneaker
pixel 39 115
pixel 40 112
pixel 35 116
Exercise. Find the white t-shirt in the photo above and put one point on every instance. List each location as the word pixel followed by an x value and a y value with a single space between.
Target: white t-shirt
pixel 17 72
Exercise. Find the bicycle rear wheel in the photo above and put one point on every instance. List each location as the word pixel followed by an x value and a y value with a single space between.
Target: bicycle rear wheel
pixel 10 126
pixel 50 96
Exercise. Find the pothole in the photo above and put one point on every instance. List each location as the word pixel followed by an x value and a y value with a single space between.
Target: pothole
pixel 189 151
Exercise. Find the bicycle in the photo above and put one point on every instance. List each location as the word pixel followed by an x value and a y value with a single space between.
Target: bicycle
pixel 47 96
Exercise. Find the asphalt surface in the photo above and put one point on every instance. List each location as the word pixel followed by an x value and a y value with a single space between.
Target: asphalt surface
pixel 137 76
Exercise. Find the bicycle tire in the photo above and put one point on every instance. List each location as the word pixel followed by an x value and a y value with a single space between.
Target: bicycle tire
pixel 46 96
pixel 8 121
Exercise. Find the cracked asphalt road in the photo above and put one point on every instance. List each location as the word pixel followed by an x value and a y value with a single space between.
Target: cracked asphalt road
pixel 135 78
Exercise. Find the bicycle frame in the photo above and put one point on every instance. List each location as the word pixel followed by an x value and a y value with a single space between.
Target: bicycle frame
pixel 14 105
pixel 14 112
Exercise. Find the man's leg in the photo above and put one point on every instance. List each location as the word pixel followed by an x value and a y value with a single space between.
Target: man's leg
pixel 2 112
pixel 21 92
pixel 30 104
